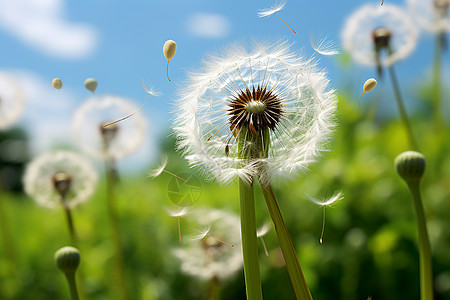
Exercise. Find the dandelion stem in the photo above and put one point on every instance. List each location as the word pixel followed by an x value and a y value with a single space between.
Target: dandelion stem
pixel 112 214
pixel 70 276
pixel 214 289
pixel 426 272
pixel 249 241
pixel 437 88
pixel 401 108
pixel 70 224
pixel 7 236
pixel 285 23
pixel 295 272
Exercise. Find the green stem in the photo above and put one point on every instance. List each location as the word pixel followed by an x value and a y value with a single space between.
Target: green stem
pixel 112 214
pixel 7 236
pixel 402 110
pixel 426 272
pixel 437 92
pixel 72 285
pixel 70 224
pixel 249 241
pixel 295 272
pixel 214 289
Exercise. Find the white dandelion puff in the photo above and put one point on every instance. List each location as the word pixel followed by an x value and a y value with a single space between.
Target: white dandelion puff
pixel 42 184
pixel 112 142
pixel 432 15
pixel 12 99
pixel 372 29
pixel 214 253
pixel 324 202
pixel 265 113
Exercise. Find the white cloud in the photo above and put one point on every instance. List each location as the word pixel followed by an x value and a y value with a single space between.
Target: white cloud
pixel 208 25
pixel 42 24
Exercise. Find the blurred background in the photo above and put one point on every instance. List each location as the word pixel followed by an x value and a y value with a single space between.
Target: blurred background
pixel 370 242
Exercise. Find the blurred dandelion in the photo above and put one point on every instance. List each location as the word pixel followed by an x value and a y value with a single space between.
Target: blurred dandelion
pixel 12 100
pixel 324 203
pixel 113 142
pixel 274 10
pixel 60 178
pixel 215 253
pixel 379 36
pixel 262 114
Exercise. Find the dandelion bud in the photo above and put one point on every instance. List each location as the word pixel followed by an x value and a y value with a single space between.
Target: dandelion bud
pixel 368 86
pixel 67 259
pixel 169 49
pixel 410 165
pixel 56 83
pixel 91 84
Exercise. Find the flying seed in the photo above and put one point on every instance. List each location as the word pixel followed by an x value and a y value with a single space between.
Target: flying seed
pixel 91 84
pixel 368 86
pixel 56 83
pixel 169 49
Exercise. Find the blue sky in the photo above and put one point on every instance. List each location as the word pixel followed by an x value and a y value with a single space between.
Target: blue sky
pixel 120 44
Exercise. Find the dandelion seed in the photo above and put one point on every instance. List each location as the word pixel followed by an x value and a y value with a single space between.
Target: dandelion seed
pixel 324 203
pixel 169 49
pixel 150 92
pixel 368 86
pixel 261 232
pixel 268 109
pixel 178 213
pixel 324 47
pixel 274 10
pixel 57 83
pixel 91 84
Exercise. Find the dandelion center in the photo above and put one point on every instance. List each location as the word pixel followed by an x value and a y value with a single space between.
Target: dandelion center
pixel 257 109
pixel 62 182
pixel 381 37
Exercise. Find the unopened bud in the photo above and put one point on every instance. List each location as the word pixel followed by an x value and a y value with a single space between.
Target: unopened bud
pixel 410 165
pixel 67 259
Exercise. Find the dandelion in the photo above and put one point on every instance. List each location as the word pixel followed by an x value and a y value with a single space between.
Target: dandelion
pixel 57 173
pixel 262 114
pixel 112 142
pixel 60 178
pixel 325 202
pixel 274 10
pixel 215 253
pixel 68 259
pixel 379 36
pixel 12 100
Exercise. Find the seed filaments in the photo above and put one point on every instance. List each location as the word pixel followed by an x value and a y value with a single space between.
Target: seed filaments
pixel 257 110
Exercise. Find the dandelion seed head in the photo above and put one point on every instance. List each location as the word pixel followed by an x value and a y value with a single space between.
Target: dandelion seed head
pixel 374 28
pixel 432 15
pixel 206 256
pixel 111 142
pixel 60 173
pixel 12 99
pixel 271 10
pixel 269 98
